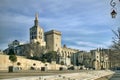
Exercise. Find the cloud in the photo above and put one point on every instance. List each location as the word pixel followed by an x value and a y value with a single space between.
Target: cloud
pixel 83 23
pixel 87 46
pixel 14 27
pixel 81 48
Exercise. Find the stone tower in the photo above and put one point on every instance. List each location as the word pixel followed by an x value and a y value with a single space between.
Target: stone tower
pixel 53 40
pixel 37 33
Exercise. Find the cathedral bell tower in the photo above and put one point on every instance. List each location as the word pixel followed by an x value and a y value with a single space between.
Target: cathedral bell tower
pixel 37 33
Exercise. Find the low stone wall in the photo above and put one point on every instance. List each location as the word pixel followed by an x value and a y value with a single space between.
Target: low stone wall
pixel 26 64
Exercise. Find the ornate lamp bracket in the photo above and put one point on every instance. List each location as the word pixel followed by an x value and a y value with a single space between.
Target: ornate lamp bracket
pixel 114 10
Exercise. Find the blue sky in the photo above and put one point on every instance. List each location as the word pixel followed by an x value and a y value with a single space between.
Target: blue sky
pixel 85 24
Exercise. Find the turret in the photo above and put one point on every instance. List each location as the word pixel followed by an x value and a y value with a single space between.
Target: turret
pixel 36 23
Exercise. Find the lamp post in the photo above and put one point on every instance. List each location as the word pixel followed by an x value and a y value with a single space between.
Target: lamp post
pixel 113 4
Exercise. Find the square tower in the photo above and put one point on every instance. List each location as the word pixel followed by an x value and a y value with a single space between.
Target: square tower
pixel 53 40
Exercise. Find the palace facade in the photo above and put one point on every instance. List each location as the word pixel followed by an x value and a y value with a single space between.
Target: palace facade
pixel 42 42
pixel 48 41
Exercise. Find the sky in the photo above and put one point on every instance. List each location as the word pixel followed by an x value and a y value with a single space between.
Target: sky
pixel 85 24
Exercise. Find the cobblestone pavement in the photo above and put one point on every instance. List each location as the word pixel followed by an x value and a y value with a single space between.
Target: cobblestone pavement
pixel 55 75
pixel 116 76
pixel 5 74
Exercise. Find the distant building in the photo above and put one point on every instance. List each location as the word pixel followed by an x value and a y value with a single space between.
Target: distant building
pixel 66 55
pixel 12 46
pixel 82 58
pixel 1 52
pixel 100 59
pixel 15 43
pixel 96 59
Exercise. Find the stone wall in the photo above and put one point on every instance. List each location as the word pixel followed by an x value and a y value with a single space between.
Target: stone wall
pixel 26 64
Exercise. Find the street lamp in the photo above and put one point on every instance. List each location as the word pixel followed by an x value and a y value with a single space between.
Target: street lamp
pixel 113 4
pixel 113 13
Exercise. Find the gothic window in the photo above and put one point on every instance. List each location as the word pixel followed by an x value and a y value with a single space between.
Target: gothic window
pixel 68 53
pixel 65 51
pixel 32 33
pixel 35 33
pixel 32 37
pixel 40 37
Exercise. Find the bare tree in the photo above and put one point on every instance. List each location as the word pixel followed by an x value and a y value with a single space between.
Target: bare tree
pixel 115 49
pixel 116 41
pixel 33 50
